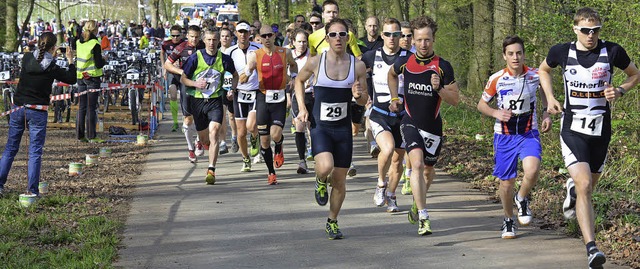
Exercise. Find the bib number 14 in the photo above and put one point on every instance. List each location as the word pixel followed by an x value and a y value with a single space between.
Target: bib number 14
pixel 587 124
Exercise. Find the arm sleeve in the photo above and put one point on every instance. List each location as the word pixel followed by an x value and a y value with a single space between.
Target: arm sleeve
pixel 189 66
pixel 619 57
pixel 228 64
pixel 448 76
pixel 66 76
pixel 353 44
pixel 97 56
pixel 398 66
pixel 490 89
pixel 175 54
pixel 557 55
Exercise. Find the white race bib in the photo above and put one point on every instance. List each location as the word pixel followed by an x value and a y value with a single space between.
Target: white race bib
pixel 133 76
pixel 431 141
pixel 587 124
pixel 228 81
pixel 274 96
pixel 4 75
pixel 246 96
pixel 333 111
pixel 517 103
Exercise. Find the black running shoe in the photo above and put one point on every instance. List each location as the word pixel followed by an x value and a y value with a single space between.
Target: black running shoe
pixel 596 258
pixel 333 230
pixel 321 193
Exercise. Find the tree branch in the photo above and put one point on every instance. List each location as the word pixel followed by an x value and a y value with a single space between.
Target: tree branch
pixel 72 5
pixel 49 10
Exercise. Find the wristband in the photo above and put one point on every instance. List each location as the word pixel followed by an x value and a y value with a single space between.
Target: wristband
pixel 621 90
pixel 293 75
pixel 395 99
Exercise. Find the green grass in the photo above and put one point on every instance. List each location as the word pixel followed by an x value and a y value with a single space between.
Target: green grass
pixel 56 232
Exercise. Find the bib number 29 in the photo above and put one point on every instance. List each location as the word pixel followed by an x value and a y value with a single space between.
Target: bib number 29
pixel 333 111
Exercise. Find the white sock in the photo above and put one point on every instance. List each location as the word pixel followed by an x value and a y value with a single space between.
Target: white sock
pixel 188 134
pixel 391 194
pixel 423 214
pixel 520 199
pixel 223 143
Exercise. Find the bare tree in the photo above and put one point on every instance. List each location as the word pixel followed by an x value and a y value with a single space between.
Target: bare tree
pixel 25 23
pixel 504 12
pixel 283 6
pixel 480 58
pixel 11 23
pixel 155 13
pixel 57 11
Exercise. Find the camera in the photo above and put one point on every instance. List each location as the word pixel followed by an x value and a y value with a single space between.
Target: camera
pixel 63 50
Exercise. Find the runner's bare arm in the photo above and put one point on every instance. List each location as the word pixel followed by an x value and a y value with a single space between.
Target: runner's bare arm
pixel 359 91
pixel 305 73
pixel 199 84
pixel 168 65
pixel 449 93
pixel 393 79
pixel 248 69
pixel 633 77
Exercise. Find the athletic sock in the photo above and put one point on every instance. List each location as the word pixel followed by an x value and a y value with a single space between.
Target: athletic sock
pixel 391 194
pixel 278 147
pixel 422 214
pixel 174 111
pixel 590 244
pixel 188 134
pixel 518 197
pixel 301 140
pixel 267 154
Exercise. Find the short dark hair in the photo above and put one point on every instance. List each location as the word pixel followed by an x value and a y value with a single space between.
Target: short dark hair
pixel 336 21
pixel 194 28
pixel 226 29
pixel 298 16
pixel 300 31
pixel 176 28
pixel 405 24
pixel 423 22
pixel 586 13
pixel 306 26
pixel 391 21
pixel 330 2
pixel 316 14
pixel 510 40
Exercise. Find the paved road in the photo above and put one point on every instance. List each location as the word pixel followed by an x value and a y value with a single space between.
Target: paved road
pixel 176 221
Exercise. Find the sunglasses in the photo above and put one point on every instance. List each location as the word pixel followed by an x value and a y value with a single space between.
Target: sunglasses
pixel 314 22
pixel 392 34
pixel 406 36
pixel 267 35
pixel 588 30
pixel 175 35
pixel 336 34
pixel 243 31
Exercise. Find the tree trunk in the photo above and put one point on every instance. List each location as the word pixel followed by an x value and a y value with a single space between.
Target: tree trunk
pixel 504 25
pixel 26 21
pixel 167 15
pixel 283 6
pixel 480 58
pixel 59 35
pixel 155 13
pixel 11 24
pixel 263 11
pixel 370 7
pixel 397 9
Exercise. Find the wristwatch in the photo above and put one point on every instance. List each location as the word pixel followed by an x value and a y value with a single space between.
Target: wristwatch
pixel 621 90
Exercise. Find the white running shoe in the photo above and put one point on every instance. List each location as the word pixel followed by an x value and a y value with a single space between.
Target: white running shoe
pixel 392 204
pixel 199 149
pixel 524 212
pixel 379 197
pixel 569 205
pixel 258 159
pixel 508 229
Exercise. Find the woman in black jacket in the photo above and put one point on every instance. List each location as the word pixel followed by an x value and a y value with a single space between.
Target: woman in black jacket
pixel 39 69
pixel 89 63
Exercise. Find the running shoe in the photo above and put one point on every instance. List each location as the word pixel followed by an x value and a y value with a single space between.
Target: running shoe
pixel 175 127
pixel 192 156
pixel 278 159
pixel 302 168
pixel 406 188
pixel 223 148
pixel 569 205
pixel 424 228
pixel 379 197
pixel 375 151
pixel 309 155
pixel 524 212
pixel 255 150
pixel 596 258
pixel 210 178
pixel 321 193
pixel 333 230
pixel 352 171
pixel 199 149
pixel 392 204
pixel 508 229
pixel 96 140
pixel 234 145
pixel 272 179
pixel 412 215
pixel 246 165
pixel 258 159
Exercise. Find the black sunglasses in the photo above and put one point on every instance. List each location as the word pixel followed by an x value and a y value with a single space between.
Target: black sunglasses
pixel 336 34
pixel 314 22
pixel 175 35
pixel 588 30
pixel 267 35
pixel 406 36
pixel 243 31
pixel 392 34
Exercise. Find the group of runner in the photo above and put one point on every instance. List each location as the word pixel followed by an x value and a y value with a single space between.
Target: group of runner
pixel 398 84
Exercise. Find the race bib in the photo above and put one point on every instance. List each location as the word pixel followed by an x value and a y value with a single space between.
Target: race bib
pixel 4 75
pixel 333 111
pixel 431 141
pixel 246 96
pixel 517 103
pixel 228 79
pixel 133 76
pixel 113 63
pixel 275 96
pixel 587 124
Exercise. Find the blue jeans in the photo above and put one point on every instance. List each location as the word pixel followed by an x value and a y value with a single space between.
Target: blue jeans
pixel 37 121
pixel 87 115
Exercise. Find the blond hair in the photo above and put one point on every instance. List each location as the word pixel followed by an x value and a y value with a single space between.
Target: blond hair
pixel 89 27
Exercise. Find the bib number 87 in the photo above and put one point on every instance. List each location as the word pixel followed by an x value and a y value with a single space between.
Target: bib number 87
pixel 513 104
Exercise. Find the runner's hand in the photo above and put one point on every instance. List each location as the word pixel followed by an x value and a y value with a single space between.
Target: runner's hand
pixel 242 78
pixel 395 105
pixel 357 90
pixel 554 106
pixel 435 81
pixel 201 83
pixel 610 92
pixel 230 95
pixel 502 114
pixel 546 122
pixel 303 115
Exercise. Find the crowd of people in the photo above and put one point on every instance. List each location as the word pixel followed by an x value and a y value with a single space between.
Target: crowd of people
pixel 247 77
